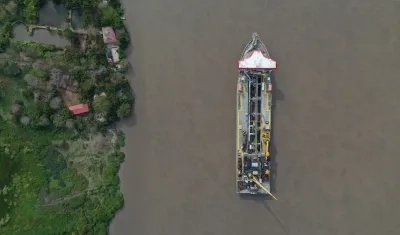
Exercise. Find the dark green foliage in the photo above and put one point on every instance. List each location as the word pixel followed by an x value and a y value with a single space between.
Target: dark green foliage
pixel 50 193
pixel 58 2
pixel 74 202
pixel 8 166
pixel 28 94
pixel 68 34
pixel 39 73
pixel 73 207
pixel 110 17
pixel 58 120
pixel 33 49
pixel 88 8
pixel 96 53
pixel 121 140
pixel 54 164
pixel 123 39
pixel 79 74
pixel 10 68
pixel 119 94
pixel 78 181
pixel 124 110
pixel 101 104
pixel 117 157
pixel 30 11
pixel 86 90
pixel 5 35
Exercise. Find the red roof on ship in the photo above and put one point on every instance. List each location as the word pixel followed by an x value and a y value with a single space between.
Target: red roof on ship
pixel 79 108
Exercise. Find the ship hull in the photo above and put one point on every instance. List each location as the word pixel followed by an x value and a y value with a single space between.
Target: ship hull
pixel 254 107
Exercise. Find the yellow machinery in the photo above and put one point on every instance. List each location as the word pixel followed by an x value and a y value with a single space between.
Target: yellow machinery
pixel 261 186
pixel 265 138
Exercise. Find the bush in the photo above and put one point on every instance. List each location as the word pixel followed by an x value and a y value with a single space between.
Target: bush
pixel 10 68
pixel 70 124
pixel 30 11
pixel 123 39
pixel 121 140
pixel 33 48
pixel 101 104
pixel 124 110
pixel 58 120
pixel 40 73
pixel 78 73
pixel 28 94
pixel 86 90
pixel 43 121
pixel 68 34
pixel 5 35
pixel 110 17
pixel 56 103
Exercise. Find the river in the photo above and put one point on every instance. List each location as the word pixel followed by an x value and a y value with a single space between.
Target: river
pixel 336 118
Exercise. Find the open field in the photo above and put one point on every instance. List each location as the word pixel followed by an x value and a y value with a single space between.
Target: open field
pixel 336 119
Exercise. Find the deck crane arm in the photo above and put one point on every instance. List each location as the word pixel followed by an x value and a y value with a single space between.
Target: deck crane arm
pixel 261 186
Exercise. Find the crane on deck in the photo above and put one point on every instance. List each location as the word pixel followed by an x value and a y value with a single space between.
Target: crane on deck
pixel 261 186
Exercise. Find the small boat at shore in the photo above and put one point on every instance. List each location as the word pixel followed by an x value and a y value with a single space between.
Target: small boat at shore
pixel 254 107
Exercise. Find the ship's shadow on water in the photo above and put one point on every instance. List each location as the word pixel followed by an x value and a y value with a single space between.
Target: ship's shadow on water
pixel 277 95
pixel 263 200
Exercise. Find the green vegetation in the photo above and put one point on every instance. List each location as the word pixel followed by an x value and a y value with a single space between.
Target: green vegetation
pixel 30 11
pixel 5 34
pixel 110 16
pixel 123 39
pixel 101 105
pixel 68 34
pixel 59 171
pixel 55 191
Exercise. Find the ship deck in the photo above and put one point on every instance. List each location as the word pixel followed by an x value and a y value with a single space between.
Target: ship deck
pixel 253 133
pixel 254 98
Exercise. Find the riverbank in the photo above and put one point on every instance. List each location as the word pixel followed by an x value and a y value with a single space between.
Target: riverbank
pixel 57 105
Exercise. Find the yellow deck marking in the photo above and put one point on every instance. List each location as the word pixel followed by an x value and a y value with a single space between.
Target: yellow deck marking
pixel 266 133
pixel 265 139
pixel 238 124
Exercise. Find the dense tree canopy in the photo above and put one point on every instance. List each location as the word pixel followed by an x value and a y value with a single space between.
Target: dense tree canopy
pixel 10 68
pixel 101 104
pixel 124 110
pixel 5 34
pixel 30 11
pixel 123 39
pixel 65 179
pixel 110 17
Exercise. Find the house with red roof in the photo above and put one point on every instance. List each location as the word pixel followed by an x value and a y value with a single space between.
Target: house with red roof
pixel 109 35
pixel 79 109
pixel 110 39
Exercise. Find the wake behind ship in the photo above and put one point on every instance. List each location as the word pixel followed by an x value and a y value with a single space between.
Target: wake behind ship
pixel 254 106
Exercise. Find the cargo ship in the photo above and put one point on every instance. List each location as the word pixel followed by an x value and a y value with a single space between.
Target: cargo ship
pixel 254 107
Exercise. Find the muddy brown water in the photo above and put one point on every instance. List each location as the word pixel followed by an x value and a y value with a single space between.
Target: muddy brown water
pixel 336 126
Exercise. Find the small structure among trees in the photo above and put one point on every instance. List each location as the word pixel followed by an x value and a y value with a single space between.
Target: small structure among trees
pixel 110 39
pixel 79 109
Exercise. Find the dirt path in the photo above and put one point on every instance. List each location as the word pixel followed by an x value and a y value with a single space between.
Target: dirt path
pixel 336 121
